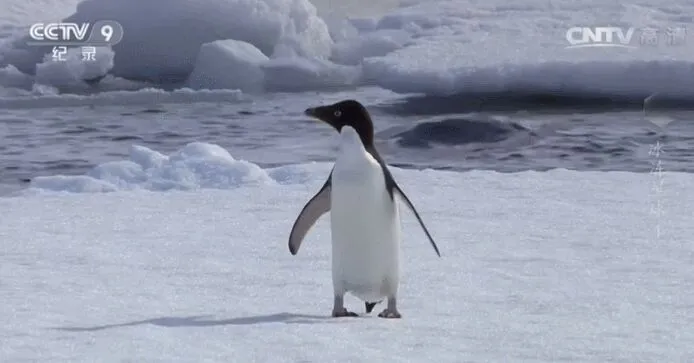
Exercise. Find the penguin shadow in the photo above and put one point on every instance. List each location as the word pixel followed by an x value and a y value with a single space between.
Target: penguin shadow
pixel 206 321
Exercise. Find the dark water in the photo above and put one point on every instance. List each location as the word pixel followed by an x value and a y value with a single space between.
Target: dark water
pixel 417 132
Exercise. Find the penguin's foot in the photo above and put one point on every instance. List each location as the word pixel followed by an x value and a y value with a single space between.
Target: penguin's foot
pixel 390 314
pixel 339 313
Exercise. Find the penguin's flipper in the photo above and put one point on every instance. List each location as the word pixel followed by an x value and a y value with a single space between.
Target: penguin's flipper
pixel 421 223
pixel 370 306
pixel 394 189
pixel 314 209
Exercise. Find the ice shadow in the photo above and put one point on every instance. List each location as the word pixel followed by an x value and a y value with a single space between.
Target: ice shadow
pixel 204 321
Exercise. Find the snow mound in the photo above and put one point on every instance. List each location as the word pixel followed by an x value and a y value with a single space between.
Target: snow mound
pixel 196 166
pixel 232 64
pixel 228 64
pixel 162 38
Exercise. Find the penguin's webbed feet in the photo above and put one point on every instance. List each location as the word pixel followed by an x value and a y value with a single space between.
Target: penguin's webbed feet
pixel 390 314
pixel 343 313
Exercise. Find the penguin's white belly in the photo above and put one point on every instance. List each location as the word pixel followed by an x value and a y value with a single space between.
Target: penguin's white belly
pixel 365 230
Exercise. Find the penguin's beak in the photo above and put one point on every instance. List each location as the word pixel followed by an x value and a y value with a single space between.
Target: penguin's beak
pixel 311 112
pixel 321 113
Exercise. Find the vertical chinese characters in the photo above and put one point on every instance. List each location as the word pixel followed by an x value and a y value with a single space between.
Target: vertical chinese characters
pixel 657 187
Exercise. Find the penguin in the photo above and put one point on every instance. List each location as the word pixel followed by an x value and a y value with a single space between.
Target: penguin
pixel 360 193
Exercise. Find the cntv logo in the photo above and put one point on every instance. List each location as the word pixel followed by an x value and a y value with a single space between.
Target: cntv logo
pixel 607 36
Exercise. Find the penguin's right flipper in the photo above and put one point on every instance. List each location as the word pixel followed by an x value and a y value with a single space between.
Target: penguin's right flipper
pixel 370 306
pixel 314 209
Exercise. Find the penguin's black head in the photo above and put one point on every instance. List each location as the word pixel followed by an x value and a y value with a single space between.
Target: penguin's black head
pixel 346 113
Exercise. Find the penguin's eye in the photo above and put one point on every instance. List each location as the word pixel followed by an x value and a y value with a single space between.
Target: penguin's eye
pixel 338 113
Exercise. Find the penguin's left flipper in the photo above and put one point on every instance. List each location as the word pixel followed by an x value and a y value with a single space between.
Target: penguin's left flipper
pixel 314 209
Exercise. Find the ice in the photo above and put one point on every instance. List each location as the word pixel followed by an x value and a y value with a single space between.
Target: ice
pixel 162 37
pixel 372 44
pixel 466 47
pixel 355 8
pixel 228 64
pixel 197 165
pixel 13 81
pixel 436 48
pixel 231 64
pixel 292 74
pixel 536 267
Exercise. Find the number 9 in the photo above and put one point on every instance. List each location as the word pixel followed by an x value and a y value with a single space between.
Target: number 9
pixel 107 32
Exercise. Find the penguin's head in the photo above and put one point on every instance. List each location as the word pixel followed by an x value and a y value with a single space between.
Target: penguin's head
pixel 346 113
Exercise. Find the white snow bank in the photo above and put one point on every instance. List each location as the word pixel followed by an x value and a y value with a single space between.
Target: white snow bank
pixel 197 165
pixel 231 64
pixel 228 64
pixel 536 267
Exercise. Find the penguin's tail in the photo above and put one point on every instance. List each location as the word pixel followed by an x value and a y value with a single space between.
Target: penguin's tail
pixel 370 306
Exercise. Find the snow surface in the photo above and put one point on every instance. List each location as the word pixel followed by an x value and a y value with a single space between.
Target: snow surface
pixel 185 260
pixel 437 47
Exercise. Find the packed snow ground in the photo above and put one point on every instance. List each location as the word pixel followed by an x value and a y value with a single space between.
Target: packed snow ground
pixel 185 260
pixel 437 47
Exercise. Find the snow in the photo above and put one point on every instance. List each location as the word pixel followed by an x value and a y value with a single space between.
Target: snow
pixel 228 64
pixel 159 43
pixel 197 165
pixel 440 47
pixel 493 47
pixel 536 267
